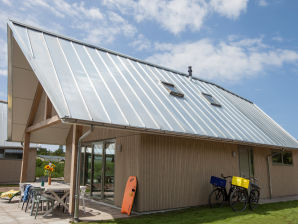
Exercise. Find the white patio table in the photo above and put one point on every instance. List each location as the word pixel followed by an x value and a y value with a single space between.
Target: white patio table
pixel 52 189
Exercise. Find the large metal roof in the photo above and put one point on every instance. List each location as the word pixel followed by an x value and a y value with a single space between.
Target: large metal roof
pixel 88 84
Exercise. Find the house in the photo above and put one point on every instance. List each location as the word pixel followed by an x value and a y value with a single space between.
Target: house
pixel 50 158
pixel 129 117
pixel 11 154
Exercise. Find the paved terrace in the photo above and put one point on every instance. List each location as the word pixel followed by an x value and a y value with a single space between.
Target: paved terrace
pixel 11 213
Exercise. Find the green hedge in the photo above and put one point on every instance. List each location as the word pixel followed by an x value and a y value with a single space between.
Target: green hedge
pixel 59 169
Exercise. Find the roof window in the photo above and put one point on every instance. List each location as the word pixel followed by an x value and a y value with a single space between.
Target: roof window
pixel 211 100
pixel 172 89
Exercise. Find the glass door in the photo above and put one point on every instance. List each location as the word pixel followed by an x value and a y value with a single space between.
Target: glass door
pixel 109 170
pixel 98 168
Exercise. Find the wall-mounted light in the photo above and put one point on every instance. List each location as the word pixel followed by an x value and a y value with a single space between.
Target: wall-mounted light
pixel 234 154
pixel 119 147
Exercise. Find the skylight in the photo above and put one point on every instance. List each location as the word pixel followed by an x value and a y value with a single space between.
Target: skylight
pixel 172 89
pixel 211 100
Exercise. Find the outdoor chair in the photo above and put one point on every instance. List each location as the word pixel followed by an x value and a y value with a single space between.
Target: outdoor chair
pixel 82 196
pixel 22 190
pixel 26 196
pixel 9 195
pixel 38 198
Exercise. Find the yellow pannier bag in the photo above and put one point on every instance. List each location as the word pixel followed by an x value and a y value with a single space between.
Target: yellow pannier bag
pixel 240 182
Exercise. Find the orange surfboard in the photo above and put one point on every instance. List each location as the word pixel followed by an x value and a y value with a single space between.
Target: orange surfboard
pixel 129 195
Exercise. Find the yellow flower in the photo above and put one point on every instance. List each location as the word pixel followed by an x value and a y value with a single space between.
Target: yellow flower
pixel 52 169
pixel 47 167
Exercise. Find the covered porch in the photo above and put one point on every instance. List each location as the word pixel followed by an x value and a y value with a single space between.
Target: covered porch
pixel 43 110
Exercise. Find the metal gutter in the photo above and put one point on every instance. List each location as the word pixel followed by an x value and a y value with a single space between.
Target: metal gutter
pixel 170 133
pixel 77 190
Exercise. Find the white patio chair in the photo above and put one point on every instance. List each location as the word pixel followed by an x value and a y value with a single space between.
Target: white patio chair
pixel 82 196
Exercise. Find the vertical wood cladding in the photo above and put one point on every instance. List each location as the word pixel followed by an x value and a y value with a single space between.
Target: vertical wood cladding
pixel 175 172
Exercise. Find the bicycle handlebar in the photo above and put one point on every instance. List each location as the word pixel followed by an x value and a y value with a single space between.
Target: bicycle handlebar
pixel 225 177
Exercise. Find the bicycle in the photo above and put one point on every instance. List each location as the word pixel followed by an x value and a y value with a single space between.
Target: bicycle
pixel 254 194
pixel 240 197
pixel 219 195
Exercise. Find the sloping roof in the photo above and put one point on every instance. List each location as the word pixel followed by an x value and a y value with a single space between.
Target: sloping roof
pixel 94 85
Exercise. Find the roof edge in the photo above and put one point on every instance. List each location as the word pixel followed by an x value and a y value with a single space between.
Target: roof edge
pixel 123 55
pixel 171 133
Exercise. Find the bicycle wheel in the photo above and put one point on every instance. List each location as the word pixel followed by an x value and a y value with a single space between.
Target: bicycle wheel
pixel 216 198
pixel 238 200
pixel 254 197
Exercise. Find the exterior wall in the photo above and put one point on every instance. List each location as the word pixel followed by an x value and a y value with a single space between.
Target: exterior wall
pixel 127 163
pixel 175 172
pixel 284 178
pixel 10 169
pixel 261 170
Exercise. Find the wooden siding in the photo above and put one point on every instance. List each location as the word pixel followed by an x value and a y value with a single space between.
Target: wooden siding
pixel 127 163
pixel 10 169
pixel 261 170
pixel 284 178
pixel 175 172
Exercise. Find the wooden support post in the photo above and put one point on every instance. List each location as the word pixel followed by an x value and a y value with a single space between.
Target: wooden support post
pixel 76 133
pixel 25 160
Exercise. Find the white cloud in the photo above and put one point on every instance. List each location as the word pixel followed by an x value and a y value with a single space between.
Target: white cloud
pixel 141 43
pixel 229 8
pixel 3 72
pixel 227 61
pixel 6 2
pixel 278 38
pixel 176 15
pixel 263 3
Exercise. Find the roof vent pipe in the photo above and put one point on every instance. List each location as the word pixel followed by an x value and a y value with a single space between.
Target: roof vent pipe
pixel 190 72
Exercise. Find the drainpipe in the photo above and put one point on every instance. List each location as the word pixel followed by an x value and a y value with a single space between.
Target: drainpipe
pixel 77 192
pixel 269 172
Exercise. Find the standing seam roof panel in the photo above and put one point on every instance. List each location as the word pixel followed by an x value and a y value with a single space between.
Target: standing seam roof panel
pixel 97 85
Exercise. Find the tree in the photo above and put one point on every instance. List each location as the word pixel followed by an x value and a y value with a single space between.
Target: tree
pixel 59 151
pixel 42 151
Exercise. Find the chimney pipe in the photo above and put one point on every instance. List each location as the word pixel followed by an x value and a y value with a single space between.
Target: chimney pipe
pixel 190 72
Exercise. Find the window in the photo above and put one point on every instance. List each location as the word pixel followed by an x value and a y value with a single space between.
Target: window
pixel 282 158
pixel 211 100
pixel 172 89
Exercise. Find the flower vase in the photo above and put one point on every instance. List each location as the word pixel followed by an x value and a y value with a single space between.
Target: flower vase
pixel 49 180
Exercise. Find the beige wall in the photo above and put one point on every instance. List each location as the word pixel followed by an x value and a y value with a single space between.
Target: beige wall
pixel 10 169
pixel 174 172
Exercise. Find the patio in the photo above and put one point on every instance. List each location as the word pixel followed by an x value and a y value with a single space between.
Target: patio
pixel 95 211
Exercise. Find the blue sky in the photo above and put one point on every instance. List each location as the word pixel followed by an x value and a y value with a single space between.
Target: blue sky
pixel 248 46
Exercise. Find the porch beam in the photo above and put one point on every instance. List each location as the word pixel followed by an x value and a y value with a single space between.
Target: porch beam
pixel 48 108
pixel 25 159
pixel 43 124
pixel 35 104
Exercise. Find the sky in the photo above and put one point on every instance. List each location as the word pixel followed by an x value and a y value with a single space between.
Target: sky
pixel 249 47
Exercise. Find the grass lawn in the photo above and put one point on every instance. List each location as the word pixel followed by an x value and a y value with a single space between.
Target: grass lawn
pixel 283 212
